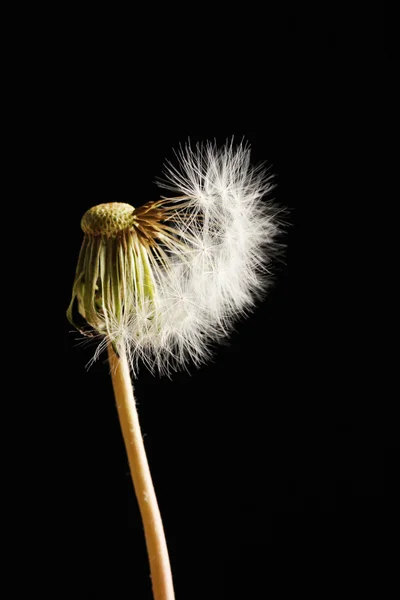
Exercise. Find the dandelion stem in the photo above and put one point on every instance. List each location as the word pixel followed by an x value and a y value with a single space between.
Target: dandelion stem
pixel 155 539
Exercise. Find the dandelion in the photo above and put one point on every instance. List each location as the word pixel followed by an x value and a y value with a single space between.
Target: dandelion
pixel 159 284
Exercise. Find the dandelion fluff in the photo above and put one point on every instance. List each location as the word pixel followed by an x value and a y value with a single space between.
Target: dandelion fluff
pixel 166 280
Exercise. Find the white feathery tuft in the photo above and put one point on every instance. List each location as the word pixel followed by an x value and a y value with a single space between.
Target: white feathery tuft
pixel 229 230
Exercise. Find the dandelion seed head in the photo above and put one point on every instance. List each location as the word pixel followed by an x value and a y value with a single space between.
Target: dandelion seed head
pixel 166 280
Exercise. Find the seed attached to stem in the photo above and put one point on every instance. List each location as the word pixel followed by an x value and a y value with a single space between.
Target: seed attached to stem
pixel 167 279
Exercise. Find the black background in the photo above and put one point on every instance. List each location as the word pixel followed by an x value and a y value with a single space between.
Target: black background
pixel 274 464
